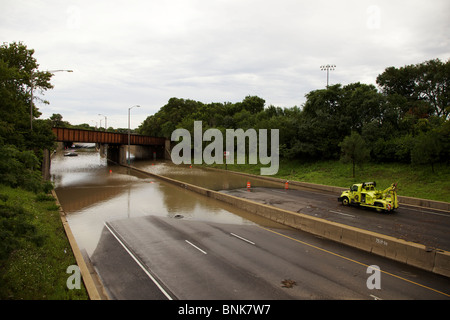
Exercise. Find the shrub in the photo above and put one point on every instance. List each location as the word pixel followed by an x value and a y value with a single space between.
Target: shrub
pixel 21 169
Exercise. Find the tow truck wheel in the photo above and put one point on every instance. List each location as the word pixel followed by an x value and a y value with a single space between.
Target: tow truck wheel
pixel 345 201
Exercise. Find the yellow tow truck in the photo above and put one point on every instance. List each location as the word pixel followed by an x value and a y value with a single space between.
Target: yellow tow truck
pixel 365 195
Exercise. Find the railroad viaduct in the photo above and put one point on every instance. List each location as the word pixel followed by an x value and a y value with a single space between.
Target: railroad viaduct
pixel 115 145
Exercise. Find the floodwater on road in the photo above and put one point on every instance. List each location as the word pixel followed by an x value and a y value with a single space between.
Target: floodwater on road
pixel 92 190
pixel 203 177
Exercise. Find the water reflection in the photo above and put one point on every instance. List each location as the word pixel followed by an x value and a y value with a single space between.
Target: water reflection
pixel 199 176
pixel 91 191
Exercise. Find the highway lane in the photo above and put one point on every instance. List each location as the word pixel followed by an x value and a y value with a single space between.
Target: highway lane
pixel 122 277
pixel 189 259
pixel 421 225
pixel 120 195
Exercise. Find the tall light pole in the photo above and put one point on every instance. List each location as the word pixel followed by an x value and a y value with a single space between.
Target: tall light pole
pixel 106 119
pixel 328 68
pixel 138 106
pixel 31 92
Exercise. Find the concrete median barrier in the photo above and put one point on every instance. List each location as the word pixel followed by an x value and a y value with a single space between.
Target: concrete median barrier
pixel 442 263
pixel 413 254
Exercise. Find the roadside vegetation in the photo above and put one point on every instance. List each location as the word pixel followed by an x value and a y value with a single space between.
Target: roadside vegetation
pixel 34 249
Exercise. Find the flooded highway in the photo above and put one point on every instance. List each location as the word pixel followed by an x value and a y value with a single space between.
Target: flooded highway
pixel 150 239
pixel 92 190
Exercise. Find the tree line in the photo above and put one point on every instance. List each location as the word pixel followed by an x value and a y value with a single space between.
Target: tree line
pixel 56 120
pixel 405 120
pixel 22 141
pixel 22 137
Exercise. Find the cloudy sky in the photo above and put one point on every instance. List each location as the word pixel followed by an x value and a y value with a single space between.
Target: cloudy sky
pixel 126 53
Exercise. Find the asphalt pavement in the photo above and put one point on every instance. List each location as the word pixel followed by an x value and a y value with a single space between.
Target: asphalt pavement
pixel 161 258
pixel 416 224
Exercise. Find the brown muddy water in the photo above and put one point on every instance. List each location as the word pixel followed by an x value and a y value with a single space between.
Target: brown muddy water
pixel 92 190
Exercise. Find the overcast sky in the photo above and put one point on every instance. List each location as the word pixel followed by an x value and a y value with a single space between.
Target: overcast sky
pixel 125 53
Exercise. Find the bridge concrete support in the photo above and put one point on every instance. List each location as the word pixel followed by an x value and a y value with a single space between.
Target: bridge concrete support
pixel 117 153
pixel 60 146
pixel 148 152
pixel 102 148
pixel 167 150
pixel 123 154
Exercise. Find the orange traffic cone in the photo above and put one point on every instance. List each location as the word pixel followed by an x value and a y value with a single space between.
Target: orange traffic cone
pixel 248 185
pixel 286 185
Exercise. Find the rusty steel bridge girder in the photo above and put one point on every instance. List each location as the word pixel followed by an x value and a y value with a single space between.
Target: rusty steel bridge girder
pixel 79 135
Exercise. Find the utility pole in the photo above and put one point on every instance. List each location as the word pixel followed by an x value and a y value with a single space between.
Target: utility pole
pixel 328 68
pixel 138 106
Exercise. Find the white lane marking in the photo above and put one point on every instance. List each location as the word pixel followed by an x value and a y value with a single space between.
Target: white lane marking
pixel 140 265
pixel 375 297
pixel 344 214
pixel 202 251
pixel 235 235
pixel 436 214
pixel 429 212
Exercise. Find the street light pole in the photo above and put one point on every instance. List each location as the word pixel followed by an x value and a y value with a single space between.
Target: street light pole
pixel 138 106
pixel 31 93
pixel 327 68
pixel 106 126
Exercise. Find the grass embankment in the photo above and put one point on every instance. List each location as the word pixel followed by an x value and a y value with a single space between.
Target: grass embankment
pixel 35 249
pixel 413 181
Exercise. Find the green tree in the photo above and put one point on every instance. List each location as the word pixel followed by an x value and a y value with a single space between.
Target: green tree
pixel 354 150
pixel 19 169
pixel 57 121
pixel 331 114
pixel 253 104
pixel 19 78
pixel 426 82
pixel 427 149
pixel 21 148
pixel 362 103
pixel 168 117
pixel 324 123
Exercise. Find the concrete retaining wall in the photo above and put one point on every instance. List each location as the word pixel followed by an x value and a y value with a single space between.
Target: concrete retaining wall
pixel 396 249
pixel 86 274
